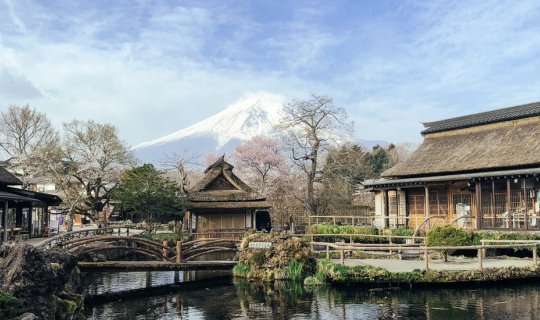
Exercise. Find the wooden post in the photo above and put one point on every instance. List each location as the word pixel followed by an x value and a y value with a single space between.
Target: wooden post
pixel 30 222
pixel 479 210
pixel 426 207
pixel 119 231
pixel 535 254
pixel 386 222
pixel 127 232
pixel 480 259
pixel 178 251
pixel 328 252
pixel 426 259
pixel 342 257
pixel 334 220
pixel 350 239
pixel 165 251
pixel 6 221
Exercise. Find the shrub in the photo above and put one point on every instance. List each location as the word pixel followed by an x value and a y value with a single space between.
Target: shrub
pixel 448 236
pixel 9 305
pixel 333 229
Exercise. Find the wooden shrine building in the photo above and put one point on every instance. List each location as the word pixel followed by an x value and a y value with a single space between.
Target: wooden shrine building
pixel 222 205
pixel 24 213
pixel 480 171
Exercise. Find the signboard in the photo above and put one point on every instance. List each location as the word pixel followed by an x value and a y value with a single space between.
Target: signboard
pixel 260 245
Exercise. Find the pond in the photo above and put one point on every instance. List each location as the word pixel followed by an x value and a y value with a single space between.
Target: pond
pixel 283 300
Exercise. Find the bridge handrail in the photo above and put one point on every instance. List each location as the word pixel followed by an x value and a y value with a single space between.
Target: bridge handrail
pixel 69 235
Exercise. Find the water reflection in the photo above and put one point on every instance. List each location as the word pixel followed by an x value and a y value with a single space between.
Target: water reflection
pixel 244 300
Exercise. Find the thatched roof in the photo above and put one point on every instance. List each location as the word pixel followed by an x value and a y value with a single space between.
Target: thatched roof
pixel 221 188
pixel 511 144
pixel 500 115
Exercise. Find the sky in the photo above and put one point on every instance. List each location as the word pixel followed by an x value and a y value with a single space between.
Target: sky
pixel 154 67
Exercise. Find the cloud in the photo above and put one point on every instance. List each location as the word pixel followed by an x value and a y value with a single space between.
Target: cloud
pixel 154 67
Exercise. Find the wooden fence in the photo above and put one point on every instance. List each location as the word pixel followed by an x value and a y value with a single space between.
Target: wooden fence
pixel 481 249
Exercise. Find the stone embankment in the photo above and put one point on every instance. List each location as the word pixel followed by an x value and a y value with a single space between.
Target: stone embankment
pixel 42 282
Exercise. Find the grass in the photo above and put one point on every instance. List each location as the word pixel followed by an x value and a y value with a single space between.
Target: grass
pixel 294 270
pixel 241 270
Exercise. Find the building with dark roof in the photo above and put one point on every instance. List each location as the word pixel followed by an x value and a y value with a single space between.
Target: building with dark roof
pixel 222 205
pixel 24 213
pixel 480 170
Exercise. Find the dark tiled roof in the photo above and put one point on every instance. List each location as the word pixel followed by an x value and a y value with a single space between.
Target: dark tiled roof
pixel 7 178
pixel 506 114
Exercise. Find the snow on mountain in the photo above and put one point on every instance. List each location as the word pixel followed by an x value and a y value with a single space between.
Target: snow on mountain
pixel 255 114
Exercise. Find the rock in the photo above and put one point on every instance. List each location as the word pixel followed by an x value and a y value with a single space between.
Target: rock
pixel 37 277
pixel 27 316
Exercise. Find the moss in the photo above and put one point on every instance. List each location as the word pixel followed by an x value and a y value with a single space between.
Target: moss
pixel 55 266
pixel 9 305
pixel 68 306
pixel 289 258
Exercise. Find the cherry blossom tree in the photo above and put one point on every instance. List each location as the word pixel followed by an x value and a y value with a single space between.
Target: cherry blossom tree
pixel 261 160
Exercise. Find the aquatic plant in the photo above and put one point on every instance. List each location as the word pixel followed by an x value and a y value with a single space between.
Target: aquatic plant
pixel 241 270
pixel 294 270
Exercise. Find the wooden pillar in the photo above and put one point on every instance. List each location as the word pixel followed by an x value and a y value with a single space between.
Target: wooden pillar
pixel 480 260
pixel 479 213
pixel 509 218
pixel 6 208
pixel 426 259
pixel 426 206
pixel 386 210
pixel 30 225
pixel 525 195
pixel 493 211
pixel 165 251
pixel 178 251
pixel 407 207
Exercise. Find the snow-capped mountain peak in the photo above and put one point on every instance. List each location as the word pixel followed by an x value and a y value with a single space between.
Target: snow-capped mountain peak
pixel 251 115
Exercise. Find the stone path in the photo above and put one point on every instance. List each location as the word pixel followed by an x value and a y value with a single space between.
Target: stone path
pixel 394 265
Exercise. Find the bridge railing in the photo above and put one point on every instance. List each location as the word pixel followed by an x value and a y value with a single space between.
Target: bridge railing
pixel 61 238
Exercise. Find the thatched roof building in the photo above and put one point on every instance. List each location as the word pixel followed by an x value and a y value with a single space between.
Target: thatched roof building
pixel 497 152
pixel 222 202
pixel 496 140
pixel 221 188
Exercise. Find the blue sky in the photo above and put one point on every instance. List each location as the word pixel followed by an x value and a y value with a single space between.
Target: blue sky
pixel 154 67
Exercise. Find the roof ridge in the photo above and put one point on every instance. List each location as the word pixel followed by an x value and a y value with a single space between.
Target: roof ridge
pixel 487 117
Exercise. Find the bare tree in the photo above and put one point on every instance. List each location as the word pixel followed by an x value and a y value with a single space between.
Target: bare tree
pixel 24 133
pixel 310 127
pixel 87 165
pixel 181 167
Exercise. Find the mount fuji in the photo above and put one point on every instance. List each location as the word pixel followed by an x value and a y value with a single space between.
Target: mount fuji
pixel 252 115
